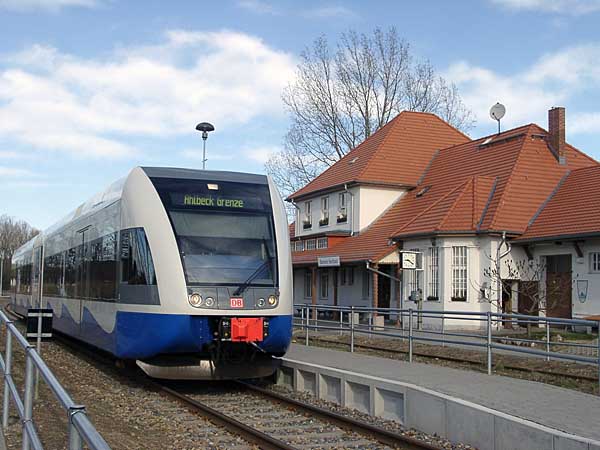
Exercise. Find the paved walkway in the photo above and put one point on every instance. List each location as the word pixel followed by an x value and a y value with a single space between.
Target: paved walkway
pixel 562 409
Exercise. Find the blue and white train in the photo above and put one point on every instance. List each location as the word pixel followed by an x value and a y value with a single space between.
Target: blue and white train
pixel 188 272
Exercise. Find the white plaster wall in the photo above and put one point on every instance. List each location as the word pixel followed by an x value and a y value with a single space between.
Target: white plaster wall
pixel 581 271
pixel 333 212
pixel 372 201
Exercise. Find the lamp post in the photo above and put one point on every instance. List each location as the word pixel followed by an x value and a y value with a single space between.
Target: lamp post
pixel 1 270
pixel 206 128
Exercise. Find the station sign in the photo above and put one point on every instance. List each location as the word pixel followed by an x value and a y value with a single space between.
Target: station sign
pixel 328 261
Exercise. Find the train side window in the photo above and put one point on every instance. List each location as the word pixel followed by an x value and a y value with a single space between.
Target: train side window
pixel 137 266
pixel 71 265
pixel 103 267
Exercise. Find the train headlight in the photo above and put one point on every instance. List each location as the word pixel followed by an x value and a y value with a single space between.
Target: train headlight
pixel 261 302
pixel 195 300
pixel 272 300
pixel 210 301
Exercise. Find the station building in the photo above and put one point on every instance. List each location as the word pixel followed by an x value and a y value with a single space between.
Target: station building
pixel 482 215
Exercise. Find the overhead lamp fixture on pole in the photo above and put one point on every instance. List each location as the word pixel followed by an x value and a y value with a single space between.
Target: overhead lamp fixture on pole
pixel 206 128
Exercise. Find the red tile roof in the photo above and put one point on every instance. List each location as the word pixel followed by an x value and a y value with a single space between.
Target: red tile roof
pixel 490 184
pixel 406 143
pixel 572 210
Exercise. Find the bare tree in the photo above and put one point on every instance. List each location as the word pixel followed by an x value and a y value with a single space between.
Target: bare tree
pixel 536 294
pixel 340 97
pixel 13 234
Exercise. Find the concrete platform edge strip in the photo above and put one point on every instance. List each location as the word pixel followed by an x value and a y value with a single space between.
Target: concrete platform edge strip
pixel 427 410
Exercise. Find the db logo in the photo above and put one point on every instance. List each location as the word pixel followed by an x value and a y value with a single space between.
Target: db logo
pixel 236 302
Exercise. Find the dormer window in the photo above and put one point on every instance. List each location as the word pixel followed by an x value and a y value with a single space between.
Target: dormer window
pixel 342 215
pixel 307 220
pixel 324 211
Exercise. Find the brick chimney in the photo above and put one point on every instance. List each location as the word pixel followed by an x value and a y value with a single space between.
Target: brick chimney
pixel 556 132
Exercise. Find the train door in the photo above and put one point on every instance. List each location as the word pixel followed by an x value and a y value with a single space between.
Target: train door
pixel 37 277
pixel 83 273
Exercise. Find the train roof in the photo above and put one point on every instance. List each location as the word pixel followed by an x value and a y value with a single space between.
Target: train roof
pixel 114 192
pixel 209 175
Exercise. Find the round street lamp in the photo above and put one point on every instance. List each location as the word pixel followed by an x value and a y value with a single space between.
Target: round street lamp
pixel 205 128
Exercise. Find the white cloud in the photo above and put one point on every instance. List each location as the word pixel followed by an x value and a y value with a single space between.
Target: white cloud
pixel 585 123
pixel 573 7
pixel 9 154
pixel 552 80
pixel 211 154
pixel 13 172
pixel 93 107
pixel 258 7
pixel 320 12
pixel 45 5
pixel 261 154
pixel 328 12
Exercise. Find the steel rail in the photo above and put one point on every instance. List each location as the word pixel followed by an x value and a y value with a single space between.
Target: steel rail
pixel 263 440
pixel 347 423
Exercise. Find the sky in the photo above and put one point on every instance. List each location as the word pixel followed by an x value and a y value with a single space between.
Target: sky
pixel 92 88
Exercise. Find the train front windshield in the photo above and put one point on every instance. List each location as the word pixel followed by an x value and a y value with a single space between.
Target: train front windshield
pixel 224 231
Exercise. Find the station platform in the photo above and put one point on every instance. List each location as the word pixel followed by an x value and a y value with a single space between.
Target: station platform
pixel 570 413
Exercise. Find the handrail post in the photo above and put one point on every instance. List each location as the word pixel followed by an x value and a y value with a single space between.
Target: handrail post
pixel 443 330
pixel 7 375
pixel 598 355
pixel 410 335
pixel 74 437
pixel 341 322
pixel 547 341
pixel 28 400
pixel 307 315
pixel 489 342
pixel 352 329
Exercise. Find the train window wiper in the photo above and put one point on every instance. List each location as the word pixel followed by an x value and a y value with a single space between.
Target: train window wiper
pixel 240 290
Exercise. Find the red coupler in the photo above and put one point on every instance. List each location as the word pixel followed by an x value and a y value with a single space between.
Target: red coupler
pixel 247 329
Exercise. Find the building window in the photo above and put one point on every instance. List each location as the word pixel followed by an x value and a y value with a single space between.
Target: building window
pixel 342 210
pixel 434 276
pixel 307 222
pixel 343 276
pixel 299 246
pixel 311 244
pixel 324 284
pixel 459 274
pixel 350 276
pixel 324 211
pixel 322 243
pixel 595 262
pixel 307 284
pixel 366 283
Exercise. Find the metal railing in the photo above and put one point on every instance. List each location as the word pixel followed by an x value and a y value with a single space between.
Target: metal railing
pixel 409 327
pixel 80 427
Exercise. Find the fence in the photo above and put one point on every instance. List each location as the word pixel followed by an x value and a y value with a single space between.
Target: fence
pixel 408 328
pixel 80 428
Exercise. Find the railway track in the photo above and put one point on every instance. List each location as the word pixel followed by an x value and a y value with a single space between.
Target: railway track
pixel 260 417
pixel 273 421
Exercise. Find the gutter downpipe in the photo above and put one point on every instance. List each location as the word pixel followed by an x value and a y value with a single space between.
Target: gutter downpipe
pixel 499 257
pixel 351 208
